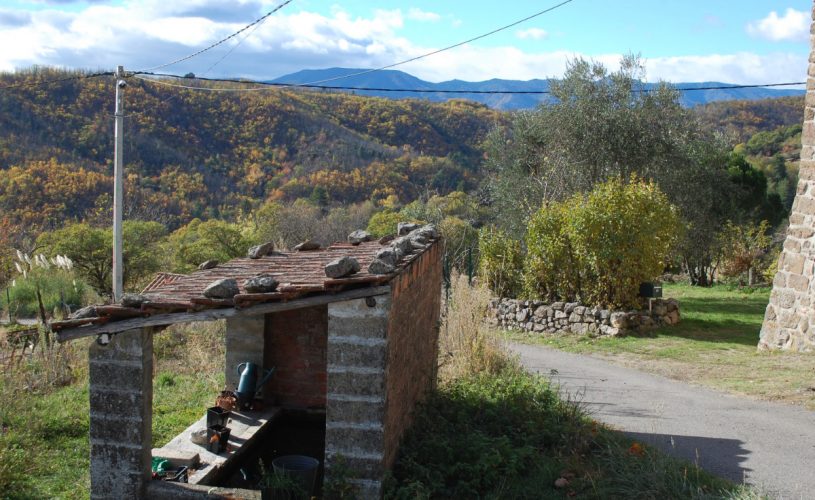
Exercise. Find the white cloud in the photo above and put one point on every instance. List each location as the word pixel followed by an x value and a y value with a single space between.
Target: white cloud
pixel 794 25
pixel 158 31
pixel 421 15
pixel 532 34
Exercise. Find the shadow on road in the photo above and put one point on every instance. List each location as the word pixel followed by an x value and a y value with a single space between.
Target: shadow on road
pixel 723 457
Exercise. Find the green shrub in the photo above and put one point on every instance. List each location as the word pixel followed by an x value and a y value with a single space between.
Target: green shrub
pixel 552 269
pixel 500 261
pixel 57 288
pixel 384 223
pixel 598 248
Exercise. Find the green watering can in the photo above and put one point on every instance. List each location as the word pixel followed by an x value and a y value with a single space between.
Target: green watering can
pixel 247 385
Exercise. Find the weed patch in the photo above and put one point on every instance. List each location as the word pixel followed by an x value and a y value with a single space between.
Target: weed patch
pixel 510 435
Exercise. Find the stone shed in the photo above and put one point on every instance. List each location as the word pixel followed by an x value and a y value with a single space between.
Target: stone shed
pixel 360 349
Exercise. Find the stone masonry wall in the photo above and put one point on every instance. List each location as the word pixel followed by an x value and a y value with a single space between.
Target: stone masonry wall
pixel 413 336
pixel 296 343
pixel 571 317
pixel 789 321
pixel 121 400
pixel 355 407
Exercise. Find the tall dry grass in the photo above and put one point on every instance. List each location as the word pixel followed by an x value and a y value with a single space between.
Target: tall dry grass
pixel 31 364
pixel 192 348
pixel 467 345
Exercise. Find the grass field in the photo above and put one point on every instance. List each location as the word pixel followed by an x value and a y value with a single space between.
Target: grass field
pixel 714 345
pixel 44 451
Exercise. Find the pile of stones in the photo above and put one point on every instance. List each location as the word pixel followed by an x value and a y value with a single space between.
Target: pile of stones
pixel 410 238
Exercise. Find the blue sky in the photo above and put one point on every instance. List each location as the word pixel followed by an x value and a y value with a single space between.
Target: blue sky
pixel 746 41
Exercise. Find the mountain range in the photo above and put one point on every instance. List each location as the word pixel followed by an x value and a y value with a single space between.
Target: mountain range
pixel 386 80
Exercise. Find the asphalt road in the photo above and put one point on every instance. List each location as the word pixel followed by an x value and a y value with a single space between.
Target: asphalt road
pixel 768 445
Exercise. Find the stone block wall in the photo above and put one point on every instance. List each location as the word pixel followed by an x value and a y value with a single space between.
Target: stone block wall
pixel 295 344
pixel 121 399
pixel 789 321
pixel 571 317
pixel 355 409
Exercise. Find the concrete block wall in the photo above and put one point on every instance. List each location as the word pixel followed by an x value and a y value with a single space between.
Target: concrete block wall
pixel 244 342
pixel 121 400
pixel 413 335
pixel 355 409
pixel 789 321
pixel 295 345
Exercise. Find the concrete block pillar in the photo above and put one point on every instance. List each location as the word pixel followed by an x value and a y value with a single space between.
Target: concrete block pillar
pixel 789 321
pixel 121 401
pixel 355 405
pixel 244 342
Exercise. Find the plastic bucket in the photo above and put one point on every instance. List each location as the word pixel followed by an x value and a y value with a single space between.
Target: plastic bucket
pixel 300 468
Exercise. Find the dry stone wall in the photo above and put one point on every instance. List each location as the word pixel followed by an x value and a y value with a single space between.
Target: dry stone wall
pixel 789 321
pixel 571 317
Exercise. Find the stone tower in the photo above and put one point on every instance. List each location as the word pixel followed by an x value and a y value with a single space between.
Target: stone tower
pixel 789 322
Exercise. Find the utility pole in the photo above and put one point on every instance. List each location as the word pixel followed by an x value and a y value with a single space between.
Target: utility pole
pixel 118 184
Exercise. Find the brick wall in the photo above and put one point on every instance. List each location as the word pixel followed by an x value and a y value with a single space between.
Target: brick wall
pixel 295 345
pixel 789 321
pixel 121 399
pixel 413 333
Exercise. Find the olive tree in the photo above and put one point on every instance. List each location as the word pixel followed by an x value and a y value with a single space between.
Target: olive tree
pixel 603 124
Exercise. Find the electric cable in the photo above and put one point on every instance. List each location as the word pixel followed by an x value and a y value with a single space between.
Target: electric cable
pixel 267 85
pixel 219 42
pixel 437 51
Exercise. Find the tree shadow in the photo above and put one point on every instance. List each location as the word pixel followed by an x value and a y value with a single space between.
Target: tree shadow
pixel 721 321
pixel 718 456
pixel 718 332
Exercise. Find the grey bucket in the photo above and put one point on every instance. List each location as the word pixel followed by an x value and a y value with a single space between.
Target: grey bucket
pixel 300 468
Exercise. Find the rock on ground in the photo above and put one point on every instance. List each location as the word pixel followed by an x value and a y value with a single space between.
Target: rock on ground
pixel 208 264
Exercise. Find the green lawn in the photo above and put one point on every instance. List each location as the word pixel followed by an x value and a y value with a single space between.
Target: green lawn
pixel 44 451
pixel 714 345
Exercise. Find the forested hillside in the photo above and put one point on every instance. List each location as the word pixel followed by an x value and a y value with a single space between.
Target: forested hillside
pixel 739 120
pixel 211 154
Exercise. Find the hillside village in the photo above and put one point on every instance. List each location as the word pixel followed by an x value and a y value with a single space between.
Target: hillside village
pixel 334 290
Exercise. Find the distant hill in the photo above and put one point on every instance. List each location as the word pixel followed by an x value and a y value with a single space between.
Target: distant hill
pixel 740 120
pixel 209 154
pixel 392 79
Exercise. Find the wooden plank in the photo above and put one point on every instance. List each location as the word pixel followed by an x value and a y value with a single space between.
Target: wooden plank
pixel 71 323
pixel 215 314
pixel 165 490
pixel 245 427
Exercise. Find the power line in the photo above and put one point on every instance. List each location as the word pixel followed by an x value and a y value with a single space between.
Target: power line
pixel 268 85
pixel 219 42
pixel 434 52
pixel 56 80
